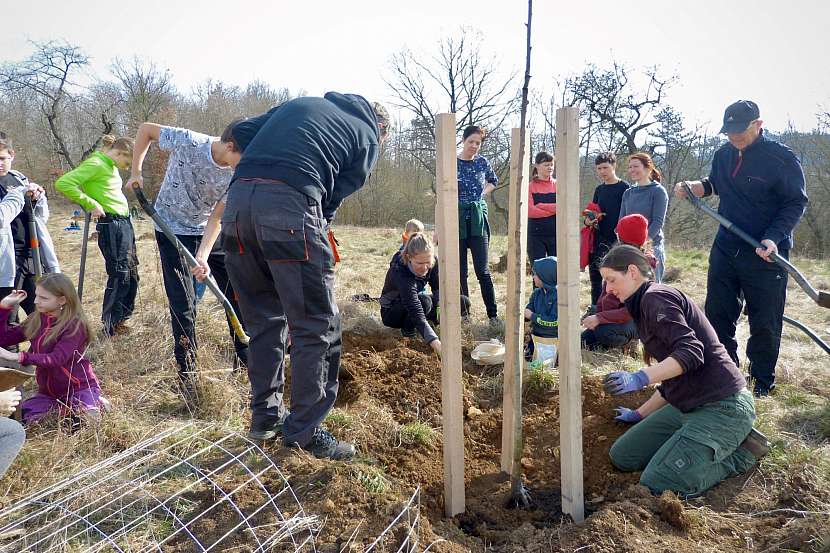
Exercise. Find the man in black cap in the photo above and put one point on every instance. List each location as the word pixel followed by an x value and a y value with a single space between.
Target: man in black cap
pixel 762 191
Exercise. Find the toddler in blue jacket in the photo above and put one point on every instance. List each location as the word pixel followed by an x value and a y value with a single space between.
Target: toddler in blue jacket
pixel 541 310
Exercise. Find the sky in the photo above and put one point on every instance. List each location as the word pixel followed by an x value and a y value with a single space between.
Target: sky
pixel 721 50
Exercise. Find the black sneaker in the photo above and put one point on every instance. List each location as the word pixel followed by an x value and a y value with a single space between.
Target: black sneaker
pixel 325 446
pixel 756 443
pixel 267 431
pixel 408 333
pixel 762 391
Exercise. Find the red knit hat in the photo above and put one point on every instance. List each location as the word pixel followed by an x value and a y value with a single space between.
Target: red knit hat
pixel 633 230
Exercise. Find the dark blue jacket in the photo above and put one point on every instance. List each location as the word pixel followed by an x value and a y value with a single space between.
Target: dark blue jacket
pixel 324 147
pixel 543 300
pixel 762 191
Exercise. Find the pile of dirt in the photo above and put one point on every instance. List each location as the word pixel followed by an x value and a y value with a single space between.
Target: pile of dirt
pixel 406 378
pixel 388 383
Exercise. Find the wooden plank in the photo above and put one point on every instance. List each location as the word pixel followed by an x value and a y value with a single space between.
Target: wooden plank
pixel 511 435
pixel 570 354
pixel 452 406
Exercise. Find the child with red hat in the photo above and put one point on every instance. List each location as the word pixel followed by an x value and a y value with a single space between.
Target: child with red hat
pixel 612 326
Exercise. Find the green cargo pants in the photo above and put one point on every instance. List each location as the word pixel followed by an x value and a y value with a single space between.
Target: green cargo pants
pixel 688 453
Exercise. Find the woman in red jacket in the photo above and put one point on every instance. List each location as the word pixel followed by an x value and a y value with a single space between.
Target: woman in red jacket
pixel 541 209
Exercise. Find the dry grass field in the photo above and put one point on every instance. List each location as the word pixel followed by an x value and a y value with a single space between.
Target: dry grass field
pixel 389 406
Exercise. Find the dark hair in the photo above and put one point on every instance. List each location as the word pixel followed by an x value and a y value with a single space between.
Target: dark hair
pixel 474 129
pixel 541 157
pixel 606 157
pixel 227 134
pixel 648 163
pixel 621 256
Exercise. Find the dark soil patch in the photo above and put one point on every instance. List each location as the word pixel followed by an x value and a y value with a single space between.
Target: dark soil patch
pixel 408 382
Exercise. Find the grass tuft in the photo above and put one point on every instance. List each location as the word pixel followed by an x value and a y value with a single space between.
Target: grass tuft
pixel 417 433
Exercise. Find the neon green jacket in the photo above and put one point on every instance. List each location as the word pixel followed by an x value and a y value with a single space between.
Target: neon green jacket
pixel 95 183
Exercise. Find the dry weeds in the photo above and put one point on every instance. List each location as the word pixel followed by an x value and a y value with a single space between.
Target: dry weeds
pixel 137 375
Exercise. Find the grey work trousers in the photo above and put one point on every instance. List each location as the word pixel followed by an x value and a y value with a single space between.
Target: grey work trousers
pixel 281 266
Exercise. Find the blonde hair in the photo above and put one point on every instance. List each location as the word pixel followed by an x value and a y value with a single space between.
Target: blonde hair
pixel 71 317
pixel 417 244
pixel 122 144
pixel 411 227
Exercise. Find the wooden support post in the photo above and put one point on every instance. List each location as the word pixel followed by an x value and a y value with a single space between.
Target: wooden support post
pixel 570 354
pixel 511 429
pixel 452 406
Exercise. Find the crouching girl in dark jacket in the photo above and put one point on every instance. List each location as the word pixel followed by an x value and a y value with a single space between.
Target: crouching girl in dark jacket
pixel 404 302
pixel 696 429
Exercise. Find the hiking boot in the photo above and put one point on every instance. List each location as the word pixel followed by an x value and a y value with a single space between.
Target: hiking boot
pixel 757 444
pixel 325 446
pixel 267 431
pixel 408 332
pixel 496 324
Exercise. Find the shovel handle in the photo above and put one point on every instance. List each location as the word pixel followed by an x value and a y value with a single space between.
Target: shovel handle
pixel 820 298
pixel 191 262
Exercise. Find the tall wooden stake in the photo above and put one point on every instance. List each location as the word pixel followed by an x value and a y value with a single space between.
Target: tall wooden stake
pixel 511 433
pixel 452 408
pixel 570 355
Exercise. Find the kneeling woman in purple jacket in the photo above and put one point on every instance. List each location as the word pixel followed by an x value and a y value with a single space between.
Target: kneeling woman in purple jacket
pixel 696 429
pixel 58 332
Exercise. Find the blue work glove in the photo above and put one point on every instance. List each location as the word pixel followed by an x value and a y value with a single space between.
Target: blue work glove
pixel 624 414
pixel 622 382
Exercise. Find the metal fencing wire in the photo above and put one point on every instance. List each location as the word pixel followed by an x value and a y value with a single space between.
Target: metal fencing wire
pixel 192 487
pixel 188 488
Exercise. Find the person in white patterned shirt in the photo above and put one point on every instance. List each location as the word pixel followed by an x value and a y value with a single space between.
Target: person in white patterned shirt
pixel 191 201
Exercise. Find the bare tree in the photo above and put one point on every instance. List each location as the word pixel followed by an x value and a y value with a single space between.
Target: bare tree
pixel 146 89
pixel 48 73
pixel 618 106
pixel 458 78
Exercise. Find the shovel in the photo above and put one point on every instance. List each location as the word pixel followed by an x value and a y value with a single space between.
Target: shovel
pixel 819 296
pixel 191 262
pixel 34 243
pixel 14 374
pixel 84 247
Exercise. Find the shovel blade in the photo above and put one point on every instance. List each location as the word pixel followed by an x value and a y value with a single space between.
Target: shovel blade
pixel 824 299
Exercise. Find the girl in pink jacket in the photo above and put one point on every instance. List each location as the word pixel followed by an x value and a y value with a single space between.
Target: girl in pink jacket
pixel 58 332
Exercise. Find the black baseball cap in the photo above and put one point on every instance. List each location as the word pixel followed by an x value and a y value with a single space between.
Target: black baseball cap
pixel 739 115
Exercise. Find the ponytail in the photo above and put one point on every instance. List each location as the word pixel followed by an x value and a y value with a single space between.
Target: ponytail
pixel 655 175
pixel 110 142
pixel 417 244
